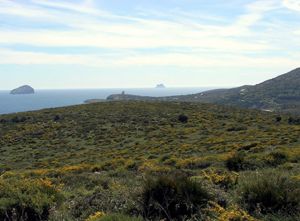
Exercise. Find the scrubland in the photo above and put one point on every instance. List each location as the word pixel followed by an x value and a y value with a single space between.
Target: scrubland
pixel 132 161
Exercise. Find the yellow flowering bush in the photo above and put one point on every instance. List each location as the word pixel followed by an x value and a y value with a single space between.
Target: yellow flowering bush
pixel 74 168
pixel 231 214
pixel 95 216
pixel 235 214
pixel 28 198
pixel 224 179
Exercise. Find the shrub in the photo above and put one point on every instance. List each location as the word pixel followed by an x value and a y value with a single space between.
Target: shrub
pixel 295 121
pixel 17 119
pixel 3 121
pixel 173 197
pixel 278 119
pixel 236 128
pixel 243 160
pixel 276 158
pixel 118 200
pixel 224 179
pixel 183 118
pixel 56 118
pixel 233 213
pixel 236 162
pixel 96 216
pixel 27 200
pixel 270 192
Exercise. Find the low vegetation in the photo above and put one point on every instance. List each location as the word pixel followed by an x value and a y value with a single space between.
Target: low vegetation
pixel 136 161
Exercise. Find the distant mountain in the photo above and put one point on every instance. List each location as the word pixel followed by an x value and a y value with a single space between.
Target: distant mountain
pixel 25 89
pixel 278 94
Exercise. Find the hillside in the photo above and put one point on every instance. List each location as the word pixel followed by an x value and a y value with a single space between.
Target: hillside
pixel 98 155
pixel 279 94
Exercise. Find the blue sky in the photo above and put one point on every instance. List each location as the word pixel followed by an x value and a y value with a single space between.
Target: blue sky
pixel 140 43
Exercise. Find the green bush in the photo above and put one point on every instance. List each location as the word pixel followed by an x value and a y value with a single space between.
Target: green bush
pixel 173 197
pixel 269 192
pixel 295 121
pixel 106 200
pixel 183 118
pixel 276 158
pixel 27 200
pixel 236 162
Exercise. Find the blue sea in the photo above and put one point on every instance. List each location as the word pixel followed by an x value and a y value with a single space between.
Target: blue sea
pixel 59 98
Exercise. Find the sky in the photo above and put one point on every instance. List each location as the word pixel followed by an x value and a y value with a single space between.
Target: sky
pixel 52 44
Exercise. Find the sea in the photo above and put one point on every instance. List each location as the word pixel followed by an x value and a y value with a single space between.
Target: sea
pixel 59 98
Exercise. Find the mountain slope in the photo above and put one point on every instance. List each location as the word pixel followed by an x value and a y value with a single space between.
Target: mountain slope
pixel 278 94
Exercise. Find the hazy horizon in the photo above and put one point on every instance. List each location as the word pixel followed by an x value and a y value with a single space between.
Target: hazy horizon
pixel 92 44
pixel 105 88
pixel 51 98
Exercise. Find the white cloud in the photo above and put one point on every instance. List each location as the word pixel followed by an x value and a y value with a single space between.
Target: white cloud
pixel 256 11
pixel 292 4
pixel 85 7
pixel 12 8
pixel 192 60
pixel 92 27
pixel 138 33
pixel 131 38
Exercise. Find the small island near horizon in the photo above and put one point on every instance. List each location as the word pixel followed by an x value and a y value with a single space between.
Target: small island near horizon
pixel 160 86
pixel 25 89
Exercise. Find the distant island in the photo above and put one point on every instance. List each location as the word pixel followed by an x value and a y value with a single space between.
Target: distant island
pixel 160 86
pixel 25 89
